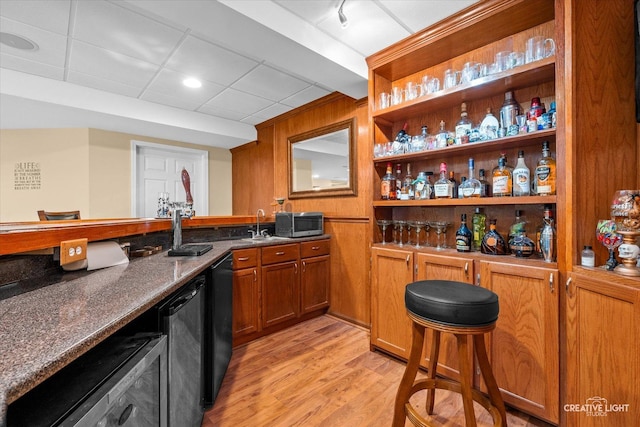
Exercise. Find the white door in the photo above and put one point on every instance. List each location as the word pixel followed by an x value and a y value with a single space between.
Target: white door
pixel 158 168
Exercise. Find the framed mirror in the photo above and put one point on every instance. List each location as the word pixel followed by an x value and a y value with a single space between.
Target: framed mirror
pixel 322 162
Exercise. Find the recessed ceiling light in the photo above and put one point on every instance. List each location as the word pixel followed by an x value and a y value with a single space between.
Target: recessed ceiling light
pixel 192 82
pixel 17 42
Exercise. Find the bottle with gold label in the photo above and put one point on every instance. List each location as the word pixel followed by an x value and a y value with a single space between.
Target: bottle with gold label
pixel 502 179
pixel 492 242
pixel 546 172
pixel 387 182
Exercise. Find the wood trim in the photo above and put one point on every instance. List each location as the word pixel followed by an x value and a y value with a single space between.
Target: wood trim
pixel 332 97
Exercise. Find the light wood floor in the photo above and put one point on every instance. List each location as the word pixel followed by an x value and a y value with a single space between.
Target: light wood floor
pixel 321 373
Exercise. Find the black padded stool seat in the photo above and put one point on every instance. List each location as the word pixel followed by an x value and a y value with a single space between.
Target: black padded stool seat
pixel 468 312
pixel 452 303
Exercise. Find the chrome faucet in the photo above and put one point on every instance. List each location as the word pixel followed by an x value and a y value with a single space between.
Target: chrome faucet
pixel 257 234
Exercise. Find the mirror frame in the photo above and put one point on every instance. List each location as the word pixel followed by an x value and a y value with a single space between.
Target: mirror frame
pixel 351 189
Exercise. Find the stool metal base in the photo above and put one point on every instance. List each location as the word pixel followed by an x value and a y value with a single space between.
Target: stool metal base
pixel 408 386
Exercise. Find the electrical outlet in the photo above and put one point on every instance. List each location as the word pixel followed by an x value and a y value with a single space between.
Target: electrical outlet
pixel 73 250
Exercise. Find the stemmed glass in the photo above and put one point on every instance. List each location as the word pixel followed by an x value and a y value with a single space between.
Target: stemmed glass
pixel 410 224
pixel 383 223
pixel 280 201
pixel 606 234
pixel 399 228
pixel 441 229
pixel 419 225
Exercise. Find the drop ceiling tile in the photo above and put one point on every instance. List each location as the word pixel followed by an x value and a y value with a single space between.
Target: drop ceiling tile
pixel 369 27
pixel 269 83
pixel 51 46
pixel 102 84
pixel 171 100
pixel 170 82
pixel 221 112
pixel 305 96
pixel 46 14
pixel 121 30
pixel 210 62
pixel 419 14
pixel 31 67
pixel 241 102
pixel 272 111
pixel 94 61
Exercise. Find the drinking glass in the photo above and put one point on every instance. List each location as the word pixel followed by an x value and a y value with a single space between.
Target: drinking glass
pixel 451 78
pixel 607 236
pixel 418 225
pixel 163 204
pixel 384 223
pixel 396 95
pixel 470 72
pixel 280 201
pixel 502 61
pixel 399 230
pixel 441 229
pixel 411 91
pixel 410 225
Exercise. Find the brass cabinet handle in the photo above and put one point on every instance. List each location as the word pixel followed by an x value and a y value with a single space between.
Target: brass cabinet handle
pixel 279 253
pixel 466 269
pixel 243 258
pixel 304 266
pixel 315 248
pixel 255 275
pixel 567 286
pixel 551 282
pixel 408 257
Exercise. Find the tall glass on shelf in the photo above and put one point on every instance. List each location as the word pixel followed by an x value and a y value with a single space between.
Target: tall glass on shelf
pixel 384 223
pixel 441 229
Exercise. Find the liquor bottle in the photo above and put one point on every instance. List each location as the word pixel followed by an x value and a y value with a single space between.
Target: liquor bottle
pixel 546 172
pixel 502 180
pixel 519 243
pixel 463 236
pixel 463 179
pixel 489 126
pixel 387 182
pixel 471 187
pixel 406 192
pixel 521 177
pixel 452 178
pixel 421 187
pixel 463 127
pixel 443 188
pixel 492 242
pixel 442 136
pixel 401 143
pixel 479 226
pixel 397 190
pixel 548 237
pixel 432 190
pixel 485 190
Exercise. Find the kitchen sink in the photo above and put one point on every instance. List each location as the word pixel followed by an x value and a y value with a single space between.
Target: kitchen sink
pixel 262 239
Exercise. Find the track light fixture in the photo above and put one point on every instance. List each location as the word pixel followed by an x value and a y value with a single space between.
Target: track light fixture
pixel 342 16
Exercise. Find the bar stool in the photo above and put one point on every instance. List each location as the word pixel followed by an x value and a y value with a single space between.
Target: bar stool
pixel 463 310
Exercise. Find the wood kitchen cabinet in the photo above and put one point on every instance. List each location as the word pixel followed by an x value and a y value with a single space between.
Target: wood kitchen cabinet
pixel 524 347
pixel 444 267
pixel 246 292
pixel 391 272
pixel 315 275
pixel 278 286
pixel 603 348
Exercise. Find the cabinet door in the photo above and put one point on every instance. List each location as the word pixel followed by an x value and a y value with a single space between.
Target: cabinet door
pixel 443 267
pixel 603 351
pixel 245 302
pixel 280 293
pixel 391 272
pixel 314 283
pixel 524 347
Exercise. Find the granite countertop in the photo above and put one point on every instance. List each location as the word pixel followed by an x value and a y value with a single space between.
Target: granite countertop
pixel 44 330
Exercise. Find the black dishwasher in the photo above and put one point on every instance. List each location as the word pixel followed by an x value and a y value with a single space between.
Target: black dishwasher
pixel 219 321
pixel 182 320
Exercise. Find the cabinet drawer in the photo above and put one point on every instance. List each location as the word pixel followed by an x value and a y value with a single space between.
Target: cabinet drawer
pixel 280 253
pixel 244 258
pixel 315 248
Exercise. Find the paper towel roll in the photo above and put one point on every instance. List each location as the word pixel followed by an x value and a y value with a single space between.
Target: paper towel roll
pixel 100 255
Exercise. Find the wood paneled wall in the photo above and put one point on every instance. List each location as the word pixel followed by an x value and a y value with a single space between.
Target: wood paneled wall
pixel 260 174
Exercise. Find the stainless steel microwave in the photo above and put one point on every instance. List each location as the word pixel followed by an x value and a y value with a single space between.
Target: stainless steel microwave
pixel 299 224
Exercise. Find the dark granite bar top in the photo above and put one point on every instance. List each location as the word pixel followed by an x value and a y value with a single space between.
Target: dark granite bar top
pixel 44 330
